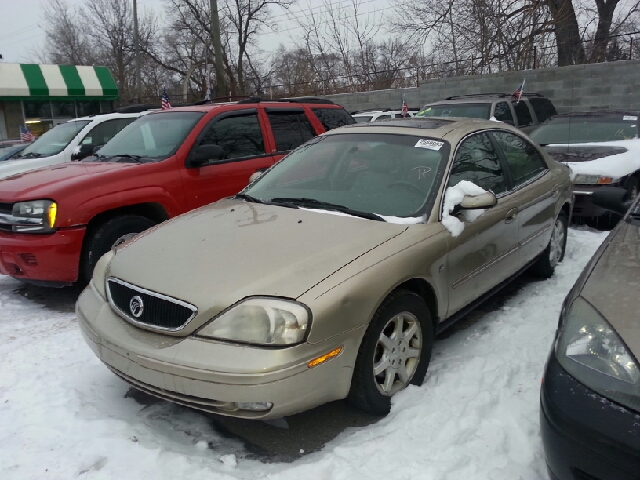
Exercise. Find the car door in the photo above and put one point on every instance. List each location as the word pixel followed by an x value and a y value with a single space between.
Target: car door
pixel 534 186
pixel 240 133
pixel 485 253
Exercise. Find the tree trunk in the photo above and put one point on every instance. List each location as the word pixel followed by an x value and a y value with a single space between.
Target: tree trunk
pixel 568 41
pixel 601 39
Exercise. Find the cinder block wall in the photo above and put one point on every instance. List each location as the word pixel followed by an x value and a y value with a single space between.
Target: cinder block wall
pixel 612 85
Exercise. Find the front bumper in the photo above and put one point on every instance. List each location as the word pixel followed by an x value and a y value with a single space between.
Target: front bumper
pixel 586 436
pixel 50 258
pixel 583 206
pixel 215 376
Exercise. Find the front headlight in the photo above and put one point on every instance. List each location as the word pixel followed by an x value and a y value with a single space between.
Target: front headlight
pixel 100 273
pixel 261 321
pixel 36 216
pixel 592 352
pixel 594 180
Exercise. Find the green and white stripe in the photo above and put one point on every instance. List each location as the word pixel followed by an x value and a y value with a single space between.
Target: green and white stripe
pixel 56 82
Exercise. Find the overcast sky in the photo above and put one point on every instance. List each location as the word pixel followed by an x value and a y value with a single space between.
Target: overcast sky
pixel 22 35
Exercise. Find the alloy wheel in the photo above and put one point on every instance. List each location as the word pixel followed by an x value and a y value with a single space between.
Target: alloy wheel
pixel 397 353
pixel 557 242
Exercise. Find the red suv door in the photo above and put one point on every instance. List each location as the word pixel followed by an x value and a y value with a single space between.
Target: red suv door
pixel 241 135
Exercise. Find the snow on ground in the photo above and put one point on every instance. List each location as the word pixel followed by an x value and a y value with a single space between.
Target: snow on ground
pixel 64 415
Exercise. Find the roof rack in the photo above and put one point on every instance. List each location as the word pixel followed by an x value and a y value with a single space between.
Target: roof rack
pixel 318 100
pixel 501 95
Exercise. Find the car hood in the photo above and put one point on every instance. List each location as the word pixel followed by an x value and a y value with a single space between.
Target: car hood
pixel 614 159
pixel 21 165
pixel 50 181
pixel 215 256
pixel 612 287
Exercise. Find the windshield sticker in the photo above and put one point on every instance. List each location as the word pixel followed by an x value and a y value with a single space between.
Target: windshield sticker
pixel 429 144
pixel 631 118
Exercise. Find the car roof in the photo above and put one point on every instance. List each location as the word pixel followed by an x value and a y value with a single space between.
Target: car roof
pixel 484 98
pixel 437 127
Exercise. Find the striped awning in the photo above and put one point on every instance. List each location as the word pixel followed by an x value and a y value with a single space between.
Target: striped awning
pixel 56 82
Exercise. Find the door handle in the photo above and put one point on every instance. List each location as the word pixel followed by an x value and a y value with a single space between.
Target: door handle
pixel 555 191
pixel 511 215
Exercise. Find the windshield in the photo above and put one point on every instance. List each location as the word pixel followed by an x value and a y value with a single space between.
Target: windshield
pixel 467 110
pixel 357 173
pixel 586 129
pixel 8 151
pixel 53 141
pixel 152 137
pixel 364 119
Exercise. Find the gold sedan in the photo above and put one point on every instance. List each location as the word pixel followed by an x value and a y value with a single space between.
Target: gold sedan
pixel 331 274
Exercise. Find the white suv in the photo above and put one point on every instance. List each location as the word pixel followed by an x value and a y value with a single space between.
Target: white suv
pixel 73 140
pixel 373 115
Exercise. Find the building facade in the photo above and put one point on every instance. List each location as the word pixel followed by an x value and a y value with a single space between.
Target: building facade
pixel 42 96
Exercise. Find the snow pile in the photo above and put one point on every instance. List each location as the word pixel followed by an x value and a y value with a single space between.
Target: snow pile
pixel 618 165
pixel 403 220
pixel 452 197
pixel 64 415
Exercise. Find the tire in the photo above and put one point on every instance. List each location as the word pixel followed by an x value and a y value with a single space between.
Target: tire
pixel 632 188
pixel 102 238
pixel 399 308
pixel 546 263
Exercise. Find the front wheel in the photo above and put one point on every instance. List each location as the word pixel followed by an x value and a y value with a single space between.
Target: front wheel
pixel 107 235
pixel 546 263
pixel 395 352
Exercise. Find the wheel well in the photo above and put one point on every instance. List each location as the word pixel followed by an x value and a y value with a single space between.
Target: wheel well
pixel 421 287
pixel 566 208
pixel 152 211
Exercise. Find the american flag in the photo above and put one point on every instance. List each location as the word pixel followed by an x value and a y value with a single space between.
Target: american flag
pixel 166 104
pixel 405 107
pixel 518 92
pixel 26 135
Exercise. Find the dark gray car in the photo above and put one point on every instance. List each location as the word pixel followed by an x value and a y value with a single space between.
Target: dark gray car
pixel 590 395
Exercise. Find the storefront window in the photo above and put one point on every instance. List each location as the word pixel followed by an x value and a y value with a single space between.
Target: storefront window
pixel 63 109
pixel 35 109
pixel 88 108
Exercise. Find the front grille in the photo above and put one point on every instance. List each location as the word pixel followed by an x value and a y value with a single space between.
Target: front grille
pixel 151 309
pixel 6 209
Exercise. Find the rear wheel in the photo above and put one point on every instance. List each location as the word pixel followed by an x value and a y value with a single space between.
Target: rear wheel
pixel 107 235
pixel 395 352
pixel 546 263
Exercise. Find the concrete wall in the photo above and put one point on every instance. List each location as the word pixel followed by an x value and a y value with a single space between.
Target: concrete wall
pixel 12 118
pixel 613 85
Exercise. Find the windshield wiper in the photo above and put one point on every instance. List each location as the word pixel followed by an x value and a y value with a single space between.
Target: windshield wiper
pixel 248 198
pixel 313 203
pixel 30 155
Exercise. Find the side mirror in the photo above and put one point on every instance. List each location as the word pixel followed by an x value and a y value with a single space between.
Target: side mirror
pixel 612 199
pixel 205 154
pixel 484 200
pixel 83 151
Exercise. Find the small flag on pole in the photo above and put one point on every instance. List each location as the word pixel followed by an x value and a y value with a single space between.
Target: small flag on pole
pixel 26 135
pixel 405 107
pixel 166 104
pixel 518 93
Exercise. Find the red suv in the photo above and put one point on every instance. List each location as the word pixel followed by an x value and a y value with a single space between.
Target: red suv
pixel 56 222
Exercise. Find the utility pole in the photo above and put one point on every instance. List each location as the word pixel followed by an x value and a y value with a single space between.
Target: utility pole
pixel 136 46
pixel 221 87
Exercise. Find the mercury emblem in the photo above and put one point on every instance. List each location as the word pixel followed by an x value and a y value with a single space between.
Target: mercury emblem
pixel 136 306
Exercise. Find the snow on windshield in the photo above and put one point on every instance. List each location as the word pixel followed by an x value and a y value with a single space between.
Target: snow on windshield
pixel 452 197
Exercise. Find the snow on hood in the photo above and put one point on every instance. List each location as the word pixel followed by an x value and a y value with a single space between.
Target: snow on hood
pixel 452 197
pixel 618 165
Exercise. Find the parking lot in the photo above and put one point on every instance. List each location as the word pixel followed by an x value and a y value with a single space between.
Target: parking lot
pixel 64 415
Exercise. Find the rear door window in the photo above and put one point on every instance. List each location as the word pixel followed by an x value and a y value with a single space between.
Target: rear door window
pixel 239 136
pixel 523 159
pixel 503 113
pixel 522 113
pixel 290 128
pixel 333 117
pixel 543 108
